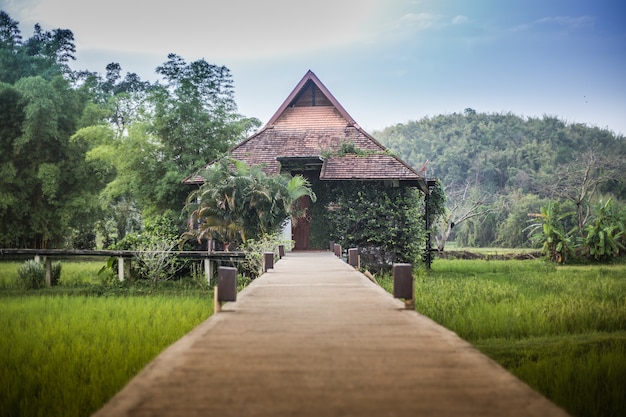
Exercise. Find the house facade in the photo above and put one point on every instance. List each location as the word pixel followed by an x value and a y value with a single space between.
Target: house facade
pixel 313 135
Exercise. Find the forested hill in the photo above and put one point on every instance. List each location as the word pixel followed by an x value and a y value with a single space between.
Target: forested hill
pixel 501 152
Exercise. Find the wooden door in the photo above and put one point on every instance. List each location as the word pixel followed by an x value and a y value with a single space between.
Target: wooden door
pixel 301 229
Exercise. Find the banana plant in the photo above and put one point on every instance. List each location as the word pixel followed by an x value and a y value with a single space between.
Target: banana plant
pixel 547 230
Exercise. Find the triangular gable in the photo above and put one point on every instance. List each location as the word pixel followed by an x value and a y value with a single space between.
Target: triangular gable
pixel 310 83
pixel 311 124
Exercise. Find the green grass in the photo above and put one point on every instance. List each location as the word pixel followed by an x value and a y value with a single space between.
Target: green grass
pixel 73 272
pixel 67 355
pixel 560 329
pixel 66 350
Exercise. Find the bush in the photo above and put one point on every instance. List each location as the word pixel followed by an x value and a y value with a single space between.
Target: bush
pixel 55 276
pixel 31 275
pixel 254 249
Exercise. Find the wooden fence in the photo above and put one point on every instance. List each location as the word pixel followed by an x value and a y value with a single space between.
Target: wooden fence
pixel 209 259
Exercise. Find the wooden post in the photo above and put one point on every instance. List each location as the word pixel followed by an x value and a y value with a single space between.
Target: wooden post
pixel 120 268
pixel 332 246
pixel 268 258
pixel 48 264
pixel 208 269
pixel 226 288
pixel 217 305
pixel 281 251
pixel 403 286
pixel 337 248
pixel 353 257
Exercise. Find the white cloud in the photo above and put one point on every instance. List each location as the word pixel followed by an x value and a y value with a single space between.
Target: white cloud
pixel 567 21
pixel 459 19
pixel 220 29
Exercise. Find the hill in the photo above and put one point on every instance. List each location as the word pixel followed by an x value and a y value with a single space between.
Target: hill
pixel 508 162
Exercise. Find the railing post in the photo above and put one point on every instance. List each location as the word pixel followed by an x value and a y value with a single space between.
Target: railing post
pixel 120 268
pixel 208 269
pixel 403 286
pixel 353 258
pixel 281 251
pixel 226 288
pixel 268 261
pixel 337 249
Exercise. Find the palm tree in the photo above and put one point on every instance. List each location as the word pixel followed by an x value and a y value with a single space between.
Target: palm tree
pixel 237 202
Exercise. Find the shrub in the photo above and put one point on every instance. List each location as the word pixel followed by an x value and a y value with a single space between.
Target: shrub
pixel 254 249
pixel 55 276
pixel 31 275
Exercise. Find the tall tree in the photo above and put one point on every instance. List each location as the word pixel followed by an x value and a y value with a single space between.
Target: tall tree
pixel 53 189
pixel 195 121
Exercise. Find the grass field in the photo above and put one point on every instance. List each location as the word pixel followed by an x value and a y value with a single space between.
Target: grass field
pixel 66 350
pixel 560 329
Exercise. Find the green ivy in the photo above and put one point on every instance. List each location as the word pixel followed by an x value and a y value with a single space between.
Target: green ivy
pixel 385 223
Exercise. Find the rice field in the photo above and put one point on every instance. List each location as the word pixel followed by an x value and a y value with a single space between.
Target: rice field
pixel 561 329
pixel 64 353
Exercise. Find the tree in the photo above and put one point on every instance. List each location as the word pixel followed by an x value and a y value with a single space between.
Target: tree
pixel 238 202
pixel 579 180
pixel 52 189
pixel 195 121
pixel 603 234
pixel 464 203
pixel 550 232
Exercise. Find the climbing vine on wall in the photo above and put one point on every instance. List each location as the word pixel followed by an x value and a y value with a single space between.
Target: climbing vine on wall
pixel 385 223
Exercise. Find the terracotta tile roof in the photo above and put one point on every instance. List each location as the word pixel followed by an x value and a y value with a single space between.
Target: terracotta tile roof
pixel 370 167
pixel 311 123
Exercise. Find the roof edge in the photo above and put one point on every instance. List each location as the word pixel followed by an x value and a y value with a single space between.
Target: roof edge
pixel 310 76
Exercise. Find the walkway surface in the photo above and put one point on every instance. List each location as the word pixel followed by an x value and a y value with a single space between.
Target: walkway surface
pixel 314 337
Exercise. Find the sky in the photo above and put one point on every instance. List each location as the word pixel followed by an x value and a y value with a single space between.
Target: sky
pixel 386 61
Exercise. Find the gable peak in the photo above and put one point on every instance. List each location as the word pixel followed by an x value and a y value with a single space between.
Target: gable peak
pixel 311 92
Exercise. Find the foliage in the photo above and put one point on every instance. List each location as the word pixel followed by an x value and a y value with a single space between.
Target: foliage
pixel 385 223
pixel 511 158
pixel 82 153
pixel 238 202
pixel 255 250
pixel 31 275
pixel 155 261
pixel 549 232
pixel 602 237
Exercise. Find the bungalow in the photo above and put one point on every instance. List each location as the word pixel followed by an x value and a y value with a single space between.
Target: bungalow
pixel 313 135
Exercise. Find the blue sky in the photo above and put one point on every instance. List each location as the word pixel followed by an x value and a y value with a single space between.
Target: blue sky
pixel 386 61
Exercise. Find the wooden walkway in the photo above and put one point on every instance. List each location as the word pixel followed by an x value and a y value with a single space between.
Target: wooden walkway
pixel 314 337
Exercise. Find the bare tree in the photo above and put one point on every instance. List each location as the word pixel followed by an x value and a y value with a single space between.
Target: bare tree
pixel 464 202
pixel 579 180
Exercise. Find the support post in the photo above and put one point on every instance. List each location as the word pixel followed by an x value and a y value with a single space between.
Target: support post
pixel 268 261
pixel 403 284
pixel 120 268
pixel 208 269
pixel 353 257
pixel 332 246
pixel 48 264
pixel 281 251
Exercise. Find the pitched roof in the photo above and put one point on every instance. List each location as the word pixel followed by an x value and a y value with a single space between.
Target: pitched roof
pixel 311 123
